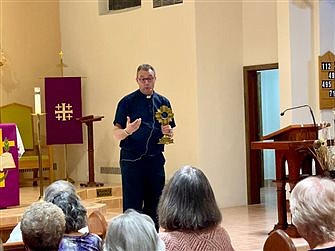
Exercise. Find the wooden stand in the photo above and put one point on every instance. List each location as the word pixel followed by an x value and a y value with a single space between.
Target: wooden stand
pixel 290 144
pixel 88 120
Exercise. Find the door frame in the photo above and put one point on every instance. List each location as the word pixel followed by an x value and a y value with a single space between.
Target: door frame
pixel 252 113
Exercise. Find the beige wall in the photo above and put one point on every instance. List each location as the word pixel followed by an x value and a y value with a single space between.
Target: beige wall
pixel 221 117
pixel 30 42
pixel 107 50
pixel 259 32
pixel 198 48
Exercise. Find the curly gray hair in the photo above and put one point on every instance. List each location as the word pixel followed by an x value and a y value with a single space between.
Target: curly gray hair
pixel 42 226
pixel 74 211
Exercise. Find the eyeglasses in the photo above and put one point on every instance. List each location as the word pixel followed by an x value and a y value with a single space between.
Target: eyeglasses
pixel 142 80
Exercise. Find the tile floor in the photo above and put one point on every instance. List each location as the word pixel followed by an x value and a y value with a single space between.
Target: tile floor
pixel 248 226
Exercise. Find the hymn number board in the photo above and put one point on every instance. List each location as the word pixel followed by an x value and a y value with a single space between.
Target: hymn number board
pixel 327 80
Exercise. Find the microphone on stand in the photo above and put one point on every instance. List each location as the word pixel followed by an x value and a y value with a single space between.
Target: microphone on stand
pixel 300 106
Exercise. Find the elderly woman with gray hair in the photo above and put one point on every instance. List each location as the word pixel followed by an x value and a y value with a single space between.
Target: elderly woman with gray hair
pixel 312 205
pixel 42 226
pixel 54 188
pixel 75 217
pixel 132 231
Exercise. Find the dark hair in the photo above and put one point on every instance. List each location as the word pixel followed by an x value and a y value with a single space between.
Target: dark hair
pixel 188 202
pixel 145 67
pixel 74 211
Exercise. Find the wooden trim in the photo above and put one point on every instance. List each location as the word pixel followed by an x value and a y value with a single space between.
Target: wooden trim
pixel 252 129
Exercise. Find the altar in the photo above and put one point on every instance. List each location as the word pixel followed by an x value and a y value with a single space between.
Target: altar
pixel 9 171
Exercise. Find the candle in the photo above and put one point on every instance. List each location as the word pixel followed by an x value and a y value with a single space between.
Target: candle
pixel 37 92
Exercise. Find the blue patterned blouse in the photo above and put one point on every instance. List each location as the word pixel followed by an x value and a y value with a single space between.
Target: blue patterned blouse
pixel 85 242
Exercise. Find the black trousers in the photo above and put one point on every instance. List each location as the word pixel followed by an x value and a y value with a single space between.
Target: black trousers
pixel 142 183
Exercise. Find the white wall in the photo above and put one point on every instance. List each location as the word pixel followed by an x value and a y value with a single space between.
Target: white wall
pixel 298 64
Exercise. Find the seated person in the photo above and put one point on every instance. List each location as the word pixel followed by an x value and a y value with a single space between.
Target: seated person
pixel 132 231
pixel 189 214
pixel 76 218
pixel 312 205
pixel 42 227
pixel 50 191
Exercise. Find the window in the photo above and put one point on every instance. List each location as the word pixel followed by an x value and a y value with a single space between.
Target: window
pixel 123 4
pixel 160 3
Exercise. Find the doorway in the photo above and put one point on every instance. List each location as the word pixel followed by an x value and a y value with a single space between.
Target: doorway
pixel 254 128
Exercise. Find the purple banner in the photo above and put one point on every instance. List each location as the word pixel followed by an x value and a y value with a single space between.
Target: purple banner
pixel 63 107
pixel 9 193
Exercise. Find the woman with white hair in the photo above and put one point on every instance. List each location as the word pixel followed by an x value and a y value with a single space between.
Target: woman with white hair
pixel 312 205
pixel 132 231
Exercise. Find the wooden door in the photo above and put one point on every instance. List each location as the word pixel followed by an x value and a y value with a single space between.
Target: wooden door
pixel 252 104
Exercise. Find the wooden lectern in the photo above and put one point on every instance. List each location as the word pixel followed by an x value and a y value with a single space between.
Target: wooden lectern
pixel 290 144
pixel 88 120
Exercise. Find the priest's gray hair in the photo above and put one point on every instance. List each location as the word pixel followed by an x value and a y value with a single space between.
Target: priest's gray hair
pixel 132 231
pixel 42 226
pixel 312 205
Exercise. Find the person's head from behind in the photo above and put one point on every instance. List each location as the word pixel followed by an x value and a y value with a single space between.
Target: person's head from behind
pixel 312 205
pixel 56 187
pixel 132 231
pixel 74 211
pixel 188 202
pixel 42 226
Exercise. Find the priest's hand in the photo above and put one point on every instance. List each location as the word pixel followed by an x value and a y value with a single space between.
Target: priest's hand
pixel 167 130
pixel 132 127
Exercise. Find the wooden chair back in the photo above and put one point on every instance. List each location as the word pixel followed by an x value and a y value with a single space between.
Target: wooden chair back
pixel 278 240
pixel 14 246
pixel 97 224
